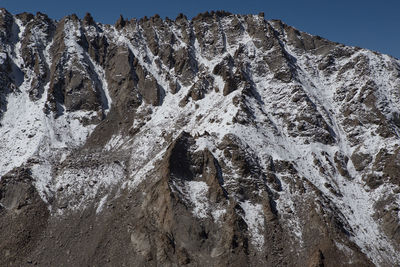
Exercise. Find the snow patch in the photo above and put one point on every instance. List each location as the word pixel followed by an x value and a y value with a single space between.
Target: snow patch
pixel 218 214
pixel 81 186
pixel 103 200
pixel 42 175
pixel 254 218
pixel 3 58
pixel 197 193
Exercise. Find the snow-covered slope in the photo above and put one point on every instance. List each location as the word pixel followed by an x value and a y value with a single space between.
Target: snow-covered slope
pixel 237 137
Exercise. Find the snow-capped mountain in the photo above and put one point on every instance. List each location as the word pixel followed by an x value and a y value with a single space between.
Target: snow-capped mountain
pixel 225 140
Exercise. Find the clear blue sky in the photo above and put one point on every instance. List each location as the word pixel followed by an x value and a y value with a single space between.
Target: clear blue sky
pixel 369 24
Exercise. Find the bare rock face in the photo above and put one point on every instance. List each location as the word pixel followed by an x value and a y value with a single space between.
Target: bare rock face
pixel 9 74
pixel 224 140
pixel 28 214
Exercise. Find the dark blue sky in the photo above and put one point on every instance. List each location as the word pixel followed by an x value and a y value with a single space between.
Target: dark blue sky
pixel 369 24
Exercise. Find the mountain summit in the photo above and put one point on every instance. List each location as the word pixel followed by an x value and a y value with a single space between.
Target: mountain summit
pixel 225 140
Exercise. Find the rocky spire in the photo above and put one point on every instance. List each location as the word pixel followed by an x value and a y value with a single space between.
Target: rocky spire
pixel 88 19
pixel 120 23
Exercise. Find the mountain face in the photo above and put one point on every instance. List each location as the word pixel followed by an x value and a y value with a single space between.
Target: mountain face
pixel 225 140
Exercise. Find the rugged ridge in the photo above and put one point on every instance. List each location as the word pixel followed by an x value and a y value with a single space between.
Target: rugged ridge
pixel 224 140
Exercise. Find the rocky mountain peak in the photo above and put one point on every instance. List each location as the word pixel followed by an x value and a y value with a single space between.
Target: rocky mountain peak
pixel 224 140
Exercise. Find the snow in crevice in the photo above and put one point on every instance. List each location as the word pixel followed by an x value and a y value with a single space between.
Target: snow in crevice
pixel 106 98
pixel 77 57
pixel 286 205
pixel 72 32
pixel 140 51
pixel 100 206
pixel 197 192
pixel 254 218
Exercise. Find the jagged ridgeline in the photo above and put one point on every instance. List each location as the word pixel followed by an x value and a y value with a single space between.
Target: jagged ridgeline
pixel 224 140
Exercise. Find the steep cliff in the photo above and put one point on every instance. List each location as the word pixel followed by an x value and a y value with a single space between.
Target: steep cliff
pixel 225 140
